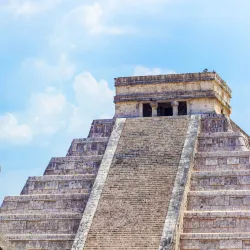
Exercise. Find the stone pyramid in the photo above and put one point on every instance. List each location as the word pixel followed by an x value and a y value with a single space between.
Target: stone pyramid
pixel 170 171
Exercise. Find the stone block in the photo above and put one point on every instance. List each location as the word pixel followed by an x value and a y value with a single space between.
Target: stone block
pixel 233 160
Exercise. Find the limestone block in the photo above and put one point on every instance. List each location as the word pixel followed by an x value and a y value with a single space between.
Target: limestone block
pixel 73 165
pixel 89 146
pixel 217 222
pixel 224 141
pixel 211 161
pixel 233 160
pixel 101 128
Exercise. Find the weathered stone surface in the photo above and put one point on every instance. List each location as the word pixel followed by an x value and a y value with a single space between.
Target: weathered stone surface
pixel 216 222
pixel 101 128
pixel 222 200
pixel 42 241
pixel 228 241
pixel 72 165
pixel 59 184
pixel 204 93
pixel 95 195
pixel 222 161
pixel 62 223
pixel 50 203
pixel 218 214
pixel 133 205
pixel 221 180
pixel 222 141
pixel 211 123
pixel 171 231
pixel 89 146
pixel 5 244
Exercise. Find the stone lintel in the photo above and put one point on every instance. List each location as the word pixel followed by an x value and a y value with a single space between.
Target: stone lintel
pixel 166 96
pixel 173 78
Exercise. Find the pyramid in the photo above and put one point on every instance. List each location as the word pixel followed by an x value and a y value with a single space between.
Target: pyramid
pixel 170 171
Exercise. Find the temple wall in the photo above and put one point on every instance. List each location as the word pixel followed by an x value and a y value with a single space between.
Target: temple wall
pixel 195 106
pixel 201 96
pixel 164 87
pixel 198 106
pixel 173 87
pixel 127 109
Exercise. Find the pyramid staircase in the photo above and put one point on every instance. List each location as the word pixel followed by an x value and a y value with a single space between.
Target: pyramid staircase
pixel 217 215
pixel 47 214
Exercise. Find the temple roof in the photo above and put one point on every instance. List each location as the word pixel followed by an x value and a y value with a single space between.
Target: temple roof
pixel 172 78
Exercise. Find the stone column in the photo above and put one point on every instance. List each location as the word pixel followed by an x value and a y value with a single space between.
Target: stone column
pixel 154 106
pixel 175 105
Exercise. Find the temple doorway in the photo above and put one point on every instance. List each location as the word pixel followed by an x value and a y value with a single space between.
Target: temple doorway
pixel 165 109
pixel 182 108
pixel 147 110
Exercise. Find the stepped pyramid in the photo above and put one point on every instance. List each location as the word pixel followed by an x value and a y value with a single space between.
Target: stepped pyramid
pixel 170 171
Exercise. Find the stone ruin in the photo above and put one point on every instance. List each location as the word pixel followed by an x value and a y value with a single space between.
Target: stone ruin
pixel 5 244
pixel 170 171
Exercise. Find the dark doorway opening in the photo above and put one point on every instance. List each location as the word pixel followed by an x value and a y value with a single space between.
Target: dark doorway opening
pixel 182 108
pixel 164 109
pixel 147 110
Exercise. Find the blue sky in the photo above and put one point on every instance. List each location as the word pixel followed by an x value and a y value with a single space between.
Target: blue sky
pixel 58 60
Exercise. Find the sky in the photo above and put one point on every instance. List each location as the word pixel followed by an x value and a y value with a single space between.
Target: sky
pixel 59 58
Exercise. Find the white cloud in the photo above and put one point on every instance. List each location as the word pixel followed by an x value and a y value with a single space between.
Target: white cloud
pixel 143 71
pixel 90 18
pixel 94 21
pixel 62 70
pixel 49 112
pixel 94 100
pixel 86 84
pixel 79 28
pixel 13 132
pixel 83 20
pixel 28 7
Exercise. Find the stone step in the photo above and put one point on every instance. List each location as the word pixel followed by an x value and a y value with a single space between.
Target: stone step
pixel 101 128
pixel 61 223
pixel 219 154
pixel 135 198
pixel 72 165
pixel 89 146
pixel 216 241
pixel 216 222
pixel 220 180
pixel 213 161
pixel 218 200
pixel 49 203
pixel 222 141
pixel 59 184
pixel 222 167
pixel 41 241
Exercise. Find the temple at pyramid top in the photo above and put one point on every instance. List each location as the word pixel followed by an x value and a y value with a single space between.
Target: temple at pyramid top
pixel 172 95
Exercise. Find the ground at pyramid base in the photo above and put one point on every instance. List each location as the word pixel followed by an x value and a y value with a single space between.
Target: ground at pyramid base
pixel 170 171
